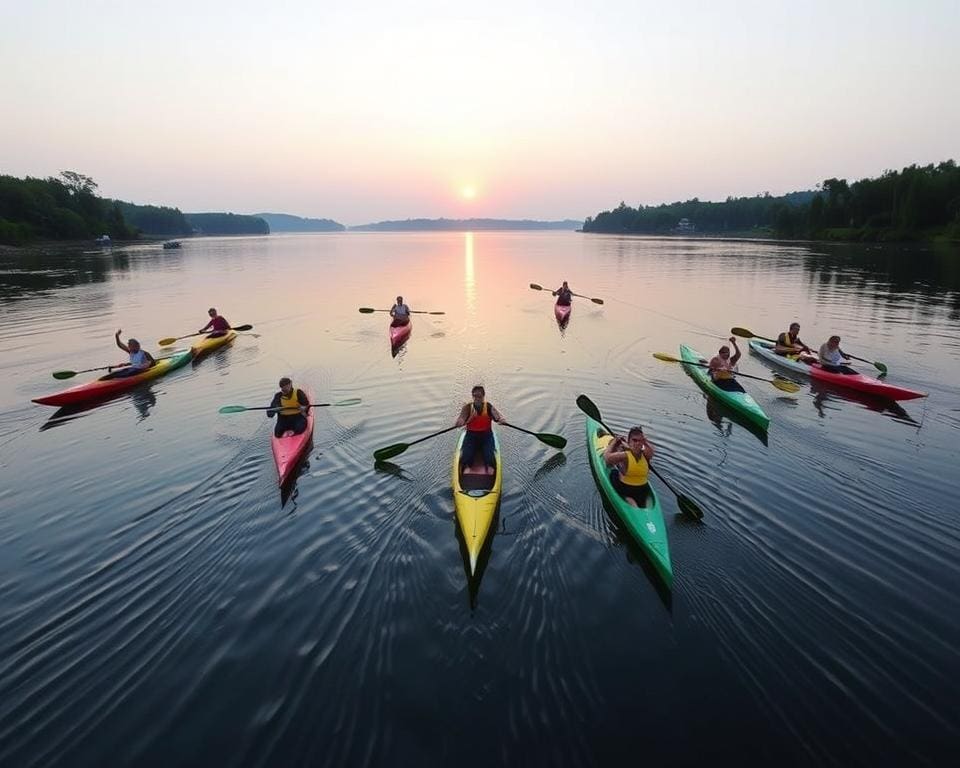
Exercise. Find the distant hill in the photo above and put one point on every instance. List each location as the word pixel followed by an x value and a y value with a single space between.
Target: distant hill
pixel 465 225
pixel 284 222
pixel 227 224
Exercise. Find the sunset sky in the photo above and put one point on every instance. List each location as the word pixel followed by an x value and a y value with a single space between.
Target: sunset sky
pixel 363 111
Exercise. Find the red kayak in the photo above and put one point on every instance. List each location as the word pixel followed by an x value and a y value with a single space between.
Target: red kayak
pixel 857 381
pixel 562 311
pixel 107 386
pixel 400 333
pixel 289 449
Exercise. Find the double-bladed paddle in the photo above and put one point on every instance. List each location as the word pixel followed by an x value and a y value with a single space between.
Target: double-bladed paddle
pixel 368 310
pixel 685 503
pixel 745 333
pixel 383 454
pixel 579 295
pixel 242 408
pixel 169 340
pixel 782 384
pixel 71 374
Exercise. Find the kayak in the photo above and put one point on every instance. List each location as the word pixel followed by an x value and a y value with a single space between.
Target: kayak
pixel 207 344
pixel 400 333
pixel 740 402
pixel 107 386
pixel 562 311
pixel 289 449
pixel 857 381
pixel 475 499
pixel 645 524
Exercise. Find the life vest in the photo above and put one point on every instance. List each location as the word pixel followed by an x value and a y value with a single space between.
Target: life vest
pixel 637 470
pixel 724 371
pixel 219 324
pixel 480 422
pixel 290 405
pixel 138 359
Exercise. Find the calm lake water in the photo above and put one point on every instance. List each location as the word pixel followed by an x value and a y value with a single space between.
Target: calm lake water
pixel 160 604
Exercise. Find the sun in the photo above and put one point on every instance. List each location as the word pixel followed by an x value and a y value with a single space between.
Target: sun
pixel 468 192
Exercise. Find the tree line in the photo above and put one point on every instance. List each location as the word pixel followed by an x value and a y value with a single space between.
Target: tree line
pixel 68 208
pixel 914 203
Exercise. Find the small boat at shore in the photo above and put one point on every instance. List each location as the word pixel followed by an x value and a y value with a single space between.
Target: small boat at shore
pixel 171 244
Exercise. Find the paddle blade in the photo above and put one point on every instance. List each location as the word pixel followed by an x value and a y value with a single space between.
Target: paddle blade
pixel 586 405
pixel 385 454
pixel 436 313
pixel 233 409
pixel 597 301
pixel 246 327
pixel 784 385
pixel 689 507
pixel 554 441
pixel 367 310
pixel 166 342
pixel 743 333
pixel 667 358
pixel 536 287
pixel 64 374
pixel 881 367
pixel 351 401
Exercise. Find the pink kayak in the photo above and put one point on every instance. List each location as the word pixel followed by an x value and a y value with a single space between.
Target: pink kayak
pixel 289 449
pixel 562 311
pixel 400 333
pixel 857 381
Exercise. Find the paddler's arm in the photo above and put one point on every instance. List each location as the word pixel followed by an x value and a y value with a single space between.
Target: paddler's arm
pixel 647 448
pixel 736 357
pixel 120 344
pixel 149 358
pixel 496 415
pixel 464 416
pixel 613 456
pixel 208 325
pixel 274 406
pixel 303 400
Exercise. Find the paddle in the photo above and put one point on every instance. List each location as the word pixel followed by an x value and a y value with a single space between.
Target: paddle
pixel 744 333
pixel 383 454
pixel 686 504
pixel 71 374
pixel 368 310
pixel 242 408
pixel 168 341
pixel 580 295
pixel 554 441
pixel 781 384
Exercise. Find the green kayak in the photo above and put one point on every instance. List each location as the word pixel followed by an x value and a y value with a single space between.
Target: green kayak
pixel 741 402
pixel 645 523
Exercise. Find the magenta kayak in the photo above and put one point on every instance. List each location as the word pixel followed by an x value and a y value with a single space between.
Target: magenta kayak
pixel 400 333
pixel 289 449
pixel 857 381
pixel 562 312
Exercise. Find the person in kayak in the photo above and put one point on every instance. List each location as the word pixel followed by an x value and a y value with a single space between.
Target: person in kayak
pixel 723 368
pixel 478 417
pixel 789 344
pixel 289 405
pixel 628 457
pixel 140 359
pixel 400 313
pixel 218 324
pixel 832 358
pixel 564 295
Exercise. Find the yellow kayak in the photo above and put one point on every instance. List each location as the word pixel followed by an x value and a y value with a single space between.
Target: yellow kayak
pixel 210 342
pixel 475 498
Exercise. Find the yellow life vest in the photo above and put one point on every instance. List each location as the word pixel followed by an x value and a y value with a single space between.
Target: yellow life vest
pixel 290 405
pixel 637 470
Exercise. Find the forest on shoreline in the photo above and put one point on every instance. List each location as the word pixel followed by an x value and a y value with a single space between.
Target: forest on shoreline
pixel 916 203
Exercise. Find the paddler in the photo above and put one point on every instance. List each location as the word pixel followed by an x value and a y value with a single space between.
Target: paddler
pixel 629 459
pixel 140 359
pixel 478 417
pixel 834 359
pixel 218 323
pixel 564 295
pixel 400 313
pixel 290 407
pixel 723 368
pixel 789 344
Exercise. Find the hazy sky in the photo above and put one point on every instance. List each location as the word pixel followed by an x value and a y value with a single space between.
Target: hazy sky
pixel 360 111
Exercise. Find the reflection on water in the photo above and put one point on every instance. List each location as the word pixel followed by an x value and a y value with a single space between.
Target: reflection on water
pixel 162 603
